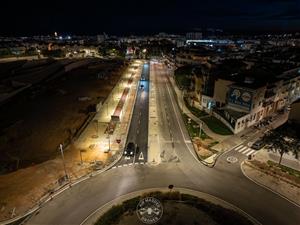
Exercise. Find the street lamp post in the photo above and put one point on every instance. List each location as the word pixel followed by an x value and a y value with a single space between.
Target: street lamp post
pixel 108 142
pixel 200 131
pixel 106 108
pixel 63 159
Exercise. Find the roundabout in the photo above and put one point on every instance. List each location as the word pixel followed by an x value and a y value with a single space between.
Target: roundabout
pixel 223 182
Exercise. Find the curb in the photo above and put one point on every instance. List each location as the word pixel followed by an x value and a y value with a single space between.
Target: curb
pixel 266 187
pixel 210 165
pixel 208 197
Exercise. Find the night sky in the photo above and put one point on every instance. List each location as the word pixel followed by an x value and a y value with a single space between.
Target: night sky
pixel 29 17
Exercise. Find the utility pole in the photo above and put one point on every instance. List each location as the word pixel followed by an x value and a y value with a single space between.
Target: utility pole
pixel 200 131
pixel 63 159
pixel 108 142
pixel 107 108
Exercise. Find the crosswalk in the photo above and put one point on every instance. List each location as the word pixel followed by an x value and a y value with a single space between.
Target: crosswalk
pixel 130 164
pixel 245 150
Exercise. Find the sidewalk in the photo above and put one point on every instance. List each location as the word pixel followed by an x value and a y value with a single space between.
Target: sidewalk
pixel 272 182
pixel 153 134
pixel 24 189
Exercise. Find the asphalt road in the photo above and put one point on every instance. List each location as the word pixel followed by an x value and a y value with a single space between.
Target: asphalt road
pixel 138 130
pixel 225 180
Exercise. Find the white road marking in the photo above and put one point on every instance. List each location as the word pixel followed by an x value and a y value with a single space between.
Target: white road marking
pixel 120 166
pixel 245 147
pixel 192 152
pixel 130 164
pixel 142 163
pixel 125 165
pixel 249 153
pixel 141 157
pixel 239 147
pixel 248 149
pixel 114 167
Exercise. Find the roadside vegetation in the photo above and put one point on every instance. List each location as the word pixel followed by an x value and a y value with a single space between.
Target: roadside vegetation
pixel 217 214
pixel 282 140
pixel 203 144
pixel 216 126
pixel 212 122
pixel 182 77
pixel 193 128
pixel 281 172
pixel 285 169
pixel 197 112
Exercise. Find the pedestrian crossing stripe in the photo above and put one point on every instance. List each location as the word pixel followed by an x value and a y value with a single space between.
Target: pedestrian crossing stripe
pixel 242 149
pixel 248 149
pixel 249 153
pixel 245 150
pixel 239 147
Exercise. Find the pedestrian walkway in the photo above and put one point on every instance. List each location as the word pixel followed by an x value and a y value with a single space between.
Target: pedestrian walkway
pixel 245 150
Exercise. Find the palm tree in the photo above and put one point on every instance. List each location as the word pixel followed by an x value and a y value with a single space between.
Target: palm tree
pixel 280 141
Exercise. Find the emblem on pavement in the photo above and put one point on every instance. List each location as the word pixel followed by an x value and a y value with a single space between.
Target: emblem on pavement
pixel 149 210
pixel 232 159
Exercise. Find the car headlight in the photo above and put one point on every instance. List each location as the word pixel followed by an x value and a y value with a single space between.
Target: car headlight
pixel 125 152
pixel 131 153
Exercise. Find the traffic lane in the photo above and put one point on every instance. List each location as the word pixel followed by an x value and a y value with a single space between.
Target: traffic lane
pixel 133 129
pixel 237 190
pixel 142 137
pixel 237 183
pixel 75 204
pixel 138 130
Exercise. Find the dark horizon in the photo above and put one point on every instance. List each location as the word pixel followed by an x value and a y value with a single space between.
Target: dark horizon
pixel 125 17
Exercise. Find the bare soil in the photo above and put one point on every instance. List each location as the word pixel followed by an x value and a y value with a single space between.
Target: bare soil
pixel 33 124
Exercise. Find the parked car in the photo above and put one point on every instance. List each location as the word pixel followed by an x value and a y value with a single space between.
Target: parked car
pixel 130 149
pixel 258 144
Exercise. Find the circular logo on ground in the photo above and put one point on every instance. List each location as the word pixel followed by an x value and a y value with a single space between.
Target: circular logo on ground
pixel 232 159
pixel 149 210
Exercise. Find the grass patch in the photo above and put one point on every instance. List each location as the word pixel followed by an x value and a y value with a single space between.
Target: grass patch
pixel 215 211
pixel 197 112
pixel 113 216
pixel 193 128
pixel 216 126
pixel 182 81
pixel 213 144
pixel 284 169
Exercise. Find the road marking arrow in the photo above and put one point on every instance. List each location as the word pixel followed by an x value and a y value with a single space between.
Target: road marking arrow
pixel 141 157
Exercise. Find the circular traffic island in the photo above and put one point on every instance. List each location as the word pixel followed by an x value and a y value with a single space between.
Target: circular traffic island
pixel 172 208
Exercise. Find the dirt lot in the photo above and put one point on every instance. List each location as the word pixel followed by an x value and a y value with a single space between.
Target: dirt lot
pixel 34 124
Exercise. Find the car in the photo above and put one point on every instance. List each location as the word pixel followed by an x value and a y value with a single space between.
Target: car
pixel 258 144
pixel 130 149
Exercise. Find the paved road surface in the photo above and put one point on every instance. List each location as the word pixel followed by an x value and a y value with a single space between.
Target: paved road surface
pixel 225 181
pixel 138 130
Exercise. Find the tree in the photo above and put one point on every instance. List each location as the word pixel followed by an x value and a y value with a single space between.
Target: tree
pixel 282 141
